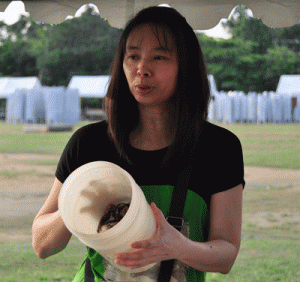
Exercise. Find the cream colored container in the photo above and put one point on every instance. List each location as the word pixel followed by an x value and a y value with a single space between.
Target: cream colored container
pixel 84 198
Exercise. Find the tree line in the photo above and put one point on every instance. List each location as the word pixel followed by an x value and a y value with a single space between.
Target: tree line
pixel 80 46
pixel 253 59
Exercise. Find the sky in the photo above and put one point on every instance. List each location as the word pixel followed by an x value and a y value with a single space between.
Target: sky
pixel 17 8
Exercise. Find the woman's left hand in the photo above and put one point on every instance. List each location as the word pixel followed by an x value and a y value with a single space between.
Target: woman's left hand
pixel 166 244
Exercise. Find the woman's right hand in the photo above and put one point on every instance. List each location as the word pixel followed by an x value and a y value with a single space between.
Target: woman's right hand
pixel 49 234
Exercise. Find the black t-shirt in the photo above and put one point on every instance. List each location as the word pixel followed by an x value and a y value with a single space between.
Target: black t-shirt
pixel 218 166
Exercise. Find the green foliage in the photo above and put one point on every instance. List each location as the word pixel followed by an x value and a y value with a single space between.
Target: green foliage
pixel 16 60
pixel 242 26
pixel 80 46
pixel 255 57
pixel 252 60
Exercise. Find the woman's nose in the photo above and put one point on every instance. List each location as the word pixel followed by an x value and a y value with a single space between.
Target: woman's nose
pixel 144 70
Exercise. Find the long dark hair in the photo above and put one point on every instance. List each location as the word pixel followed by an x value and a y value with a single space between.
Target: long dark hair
pixel 192 92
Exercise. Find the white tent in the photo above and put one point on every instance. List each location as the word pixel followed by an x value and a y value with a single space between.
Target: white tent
pixel 289 85
pixel 62 106
pixel 3 82
pixel 9 85
pixel 90 86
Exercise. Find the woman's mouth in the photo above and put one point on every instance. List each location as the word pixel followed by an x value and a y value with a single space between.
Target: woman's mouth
pixel 143 89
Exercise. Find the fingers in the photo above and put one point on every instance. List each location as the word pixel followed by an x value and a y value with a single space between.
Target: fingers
pixel 151 250
pixel 140 258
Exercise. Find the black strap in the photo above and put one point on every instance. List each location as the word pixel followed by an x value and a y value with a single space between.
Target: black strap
pixel 88 272
pixel 175 216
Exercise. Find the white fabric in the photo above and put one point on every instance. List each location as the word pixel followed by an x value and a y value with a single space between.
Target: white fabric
pixel 200 14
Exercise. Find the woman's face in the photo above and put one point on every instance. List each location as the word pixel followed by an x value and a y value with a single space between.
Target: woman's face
pixel 151 68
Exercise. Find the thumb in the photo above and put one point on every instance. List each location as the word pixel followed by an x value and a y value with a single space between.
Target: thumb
pixel 158 214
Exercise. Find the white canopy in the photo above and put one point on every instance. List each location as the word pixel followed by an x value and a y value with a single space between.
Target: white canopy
pixel 90 86
pixel 9 85
pixel 200 14
pixel 289 85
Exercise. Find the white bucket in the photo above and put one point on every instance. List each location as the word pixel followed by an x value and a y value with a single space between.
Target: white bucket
pixel 84 198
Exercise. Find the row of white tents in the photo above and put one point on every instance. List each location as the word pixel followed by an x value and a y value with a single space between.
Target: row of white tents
pixel 264 107
pixel 29 102
pixel 55 106
pixel 282 106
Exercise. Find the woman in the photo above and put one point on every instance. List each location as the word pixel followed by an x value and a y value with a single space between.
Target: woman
pixel 156 108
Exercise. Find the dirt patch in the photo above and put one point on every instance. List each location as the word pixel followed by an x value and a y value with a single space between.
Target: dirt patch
pixel 25 182
pixel 275 177
pixel 270 219
pixel 42 164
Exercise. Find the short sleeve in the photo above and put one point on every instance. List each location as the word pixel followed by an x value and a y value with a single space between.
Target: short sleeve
pixel 219 163
pixel 89 143
pixel 69 159
pixel 229 164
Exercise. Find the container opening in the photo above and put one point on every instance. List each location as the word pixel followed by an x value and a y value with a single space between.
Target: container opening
pixel 96 197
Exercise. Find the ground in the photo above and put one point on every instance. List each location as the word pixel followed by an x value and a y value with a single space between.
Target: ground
pixel 26 180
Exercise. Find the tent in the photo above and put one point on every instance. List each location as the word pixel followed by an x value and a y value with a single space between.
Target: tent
pixel 289 88
pixel 3 82
pixel 289 85
pixel 62 106
pixel 90 86
pixel 200 14
pixel 9 85
pixel 23 97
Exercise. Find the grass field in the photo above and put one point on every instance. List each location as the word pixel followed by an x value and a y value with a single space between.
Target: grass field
pixel 267 254
pixel 271 216
pixel 269 145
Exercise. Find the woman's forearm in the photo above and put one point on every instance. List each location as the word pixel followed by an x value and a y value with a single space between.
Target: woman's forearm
pixel 212 256
pixel 49 234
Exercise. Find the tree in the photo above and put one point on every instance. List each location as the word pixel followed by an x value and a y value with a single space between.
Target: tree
pixel 245 27
pixel 232 63
pixel 278 61
pixel 16 60
pixel 289 36
pixel 80 46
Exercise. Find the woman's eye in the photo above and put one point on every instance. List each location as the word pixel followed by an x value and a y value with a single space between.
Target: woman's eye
pixel 159 57
pixel 133 57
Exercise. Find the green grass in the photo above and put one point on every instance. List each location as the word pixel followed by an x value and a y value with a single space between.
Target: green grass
pixel 20 263
pixel 267 254
pixel 262 260
pixel 269 145
pixel 270 253
pixel 15 173
pixel 14 140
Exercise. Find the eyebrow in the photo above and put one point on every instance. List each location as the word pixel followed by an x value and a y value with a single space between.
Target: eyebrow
pixel 159 48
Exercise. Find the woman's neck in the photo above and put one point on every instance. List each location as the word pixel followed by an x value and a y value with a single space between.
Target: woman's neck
pixel 154 130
